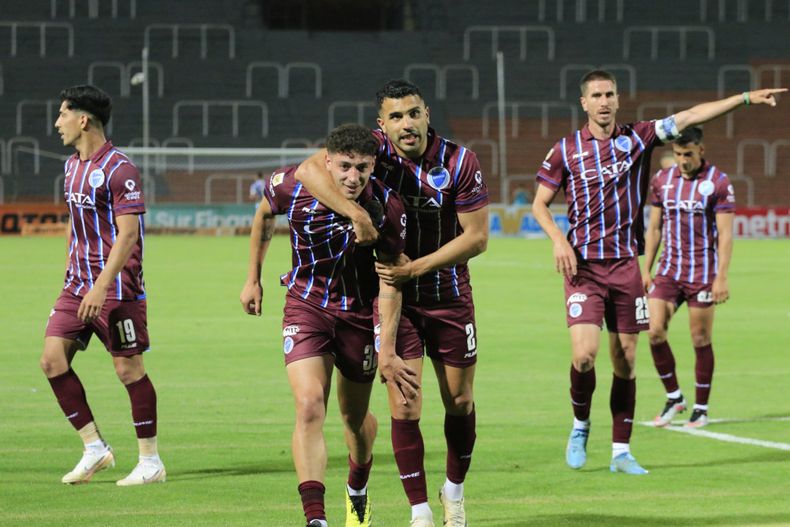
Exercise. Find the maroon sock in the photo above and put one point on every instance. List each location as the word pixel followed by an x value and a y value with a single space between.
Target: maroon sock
pixel 409 456
pixel 459 432
pixel 582 388
pixel 622 402
pixel 312 493
pixel 71 397
pixel 703 370
pixel 143 397
pixel 358 474
pixel 665 365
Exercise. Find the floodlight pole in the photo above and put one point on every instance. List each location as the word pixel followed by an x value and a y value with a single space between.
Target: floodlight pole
pixel 146 112
pixel 504 187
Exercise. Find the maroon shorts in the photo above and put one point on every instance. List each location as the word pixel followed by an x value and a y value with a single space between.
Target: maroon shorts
pixel 309 331
pixel 446 333
pixel 677 292
pixel 121 326
pixel 608 290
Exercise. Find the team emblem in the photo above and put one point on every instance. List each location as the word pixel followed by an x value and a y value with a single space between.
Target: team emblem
pixel 129 184
pixel 575 311
pixel 96 179
pixel 623 144
pixel 288 345
pixel 377 343
pixel 438 177
pixel 706 188
pixel 277 178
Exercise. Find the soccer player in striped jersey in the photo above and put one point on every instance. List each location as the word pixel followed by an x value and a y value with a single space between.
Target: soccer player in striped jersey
pixel 604 171
pixel 104 291
pixel 694 203
pixel 328 315
pixel 446 202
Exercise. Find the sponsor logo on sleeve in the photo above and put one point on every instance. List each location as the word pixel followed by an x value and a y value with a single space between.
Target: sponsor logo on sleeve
pixel 129 184
pixel 290 331
pixel 132 195
pixel 96 179
pixel 288 345
pixel 575 310
pixel 479 177
pixel 706 188
pixel 576 297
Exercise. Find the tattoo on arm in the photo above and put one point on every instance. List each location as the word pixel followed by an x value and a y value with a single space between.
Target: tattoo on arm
pixel 268 230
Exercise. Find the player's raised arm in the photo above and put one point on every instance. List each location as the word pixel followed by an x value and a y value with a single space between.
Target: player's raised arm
pixel 707 111
pixel 315 177
pixel 260 239
pixel 564 256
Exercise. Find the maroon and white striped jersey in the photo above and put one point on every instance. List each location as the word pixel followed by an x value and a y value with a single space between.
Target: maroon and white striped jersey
pixel 329 269
pixel 97 191
pixel 605 184
pixel 447 180
pixel 689 208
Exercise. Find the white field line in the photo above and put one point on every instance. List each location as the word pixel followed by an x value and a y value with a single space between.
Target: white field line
pixel 728 438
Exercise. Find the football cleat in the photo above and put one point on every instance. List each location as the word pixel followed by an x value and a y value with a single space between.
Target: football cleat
pixel 357 510
pixel 93 460
pixel 147 471
pixel 315 523
pixel 671 409
pixel 454 513
pixel 699 418
pixel 626 463
pixel 576 450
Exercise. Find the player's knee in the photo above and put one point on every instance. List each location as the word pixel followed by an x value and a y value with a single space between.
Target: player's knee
pixel 310 409
pixel 584 362
pixel 700 339
pixel 657 335
pixel 52 368
pixel 461 404
pixel 354 418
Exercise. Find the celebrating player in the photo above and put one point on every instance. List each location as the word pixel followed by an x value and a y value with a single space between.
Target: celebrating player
pixel 328 315
pixel 447 206
pixel 104 291
pixel 603 170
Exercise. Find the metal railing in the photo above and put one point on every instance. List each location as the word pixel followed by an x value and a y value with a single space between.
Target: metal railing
pixel 544 107
pixel 360 107
pixel 204 105
pixel 682 32
pixel 284 76
pixel 522 31
pixel 93 8
pixel 440 77
pixel 42 29
pixel 175 29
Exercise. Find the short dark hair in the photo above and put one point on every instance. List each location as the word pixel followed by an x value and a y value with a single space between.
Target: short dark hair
pixel 396 89
pixel 596 75
pixel 692 134
pixel 352 138
pixel 89 99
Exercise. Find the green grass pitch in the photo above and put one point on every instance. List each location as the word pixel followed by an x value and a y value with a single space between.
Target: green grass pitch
pixel 225 410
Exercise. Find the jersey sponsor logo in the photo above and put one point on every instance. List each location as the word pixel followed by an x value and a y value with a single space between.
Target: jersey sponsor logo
pixel 288 345
pixel 575 310
pixel 667 186
pixel 339 227
pixel 730 189
pixel 479 177
pixel 290 331
pixel 409 476
pixel 308 210
pixel 623 143
pixel 96 179
pixel 132 196
pixel 438 177
pixel 576 297
pixel 706 188
pixel 420 202
pixel 689 205
pixel 129 184
pixel 612 171
pixel 81 200
pixel 578 155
